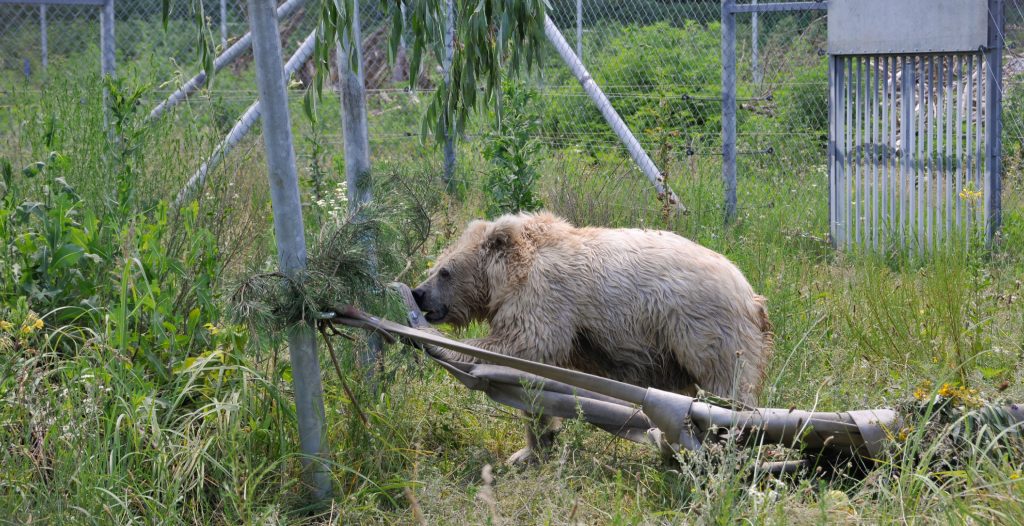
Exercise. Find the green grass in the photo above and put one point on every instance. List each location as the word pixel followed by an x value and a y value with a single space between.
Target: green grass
pixel 139 412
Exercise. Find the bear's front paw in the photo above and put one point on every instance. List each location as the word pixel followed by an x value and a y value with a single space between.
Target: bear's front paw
pixel 524 457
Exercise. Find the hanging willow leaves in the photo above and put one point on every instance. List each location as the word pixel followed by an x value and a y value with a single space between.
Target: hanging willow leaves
pixel 490 36
pixel 205 47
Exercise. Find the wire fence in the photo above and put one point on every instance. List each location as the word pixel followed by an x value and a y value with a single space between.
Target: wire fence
pixel 658 62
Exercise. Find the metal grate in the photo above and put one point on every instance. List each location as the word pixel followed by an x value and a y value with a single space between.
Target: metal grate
pixel 908 163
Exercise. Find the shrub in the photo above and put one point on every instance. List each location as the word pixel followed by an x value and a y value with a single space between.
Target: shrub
pixel 512 148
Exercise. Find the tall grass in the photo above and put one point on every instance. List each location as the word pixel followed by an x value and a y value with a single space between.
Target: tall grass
pixel 154 409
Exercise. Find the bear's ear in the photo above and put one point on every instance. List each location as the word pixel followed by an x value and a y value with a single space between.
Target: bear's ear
pixel 503 236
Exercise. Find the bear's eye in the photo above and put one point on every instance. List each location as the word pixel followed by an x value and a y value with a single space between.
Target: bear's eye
pixel 444 273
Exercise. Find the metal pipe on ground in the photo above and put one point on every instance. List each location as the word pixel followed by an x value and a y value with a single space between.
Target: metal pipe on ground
pixel 684 421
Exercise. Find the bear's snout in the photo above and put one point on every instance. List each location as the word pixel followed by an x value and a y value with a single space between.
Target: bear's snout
pixel 418 295
pixel 434 310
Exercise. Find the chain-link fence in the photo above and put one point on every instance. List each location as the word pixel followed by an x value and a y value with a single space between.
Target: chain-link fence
pixel 658 62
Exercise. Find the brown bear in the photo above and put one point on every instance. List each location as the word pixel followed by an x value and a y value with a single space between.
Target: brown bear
pixel 641 306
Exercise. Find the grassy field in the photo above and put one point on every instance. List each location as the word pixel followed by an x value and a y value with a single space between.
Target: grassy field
pixel 128 395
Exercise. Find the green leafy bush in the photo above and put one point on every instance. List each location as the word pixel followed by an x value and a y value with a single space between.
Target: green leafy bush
pixel 512 149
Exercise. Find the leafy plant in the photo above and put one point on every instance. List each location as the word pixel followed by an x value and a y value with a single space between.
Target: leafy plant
pixel 489 36
pixel 512 150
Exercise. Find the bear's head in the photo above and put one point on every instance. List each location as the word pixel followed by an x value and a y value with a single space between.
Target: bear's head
pixel 472 278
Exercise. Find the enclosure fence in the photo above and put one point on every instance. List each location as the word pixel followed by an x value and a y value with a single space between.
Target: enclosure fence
pixel 658 62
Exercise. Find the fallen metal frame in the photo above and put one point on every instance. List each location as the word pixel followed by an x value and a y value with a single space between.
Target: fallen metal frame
pixel 671 421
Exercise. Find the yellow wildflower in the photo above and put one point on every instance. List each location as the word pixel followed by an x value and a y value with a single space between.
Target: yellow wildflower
pixel 922 390
pixel 970 195
pixel 1015 475
pixel 905 433
pixel 214 330
pixel 38 325
pixel 5 325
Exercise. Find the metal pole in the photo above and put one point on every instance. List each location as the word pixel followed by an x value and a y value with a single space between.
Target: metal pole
pixel 107 38
pixel 228 56
pixel 43 41
pixel 357 149
pixel 291 241
pixel 223 24
pixel 754 48
pixel 833 165
pixel 729 108
pixel 994 119
pixel 579 29
pixel 449 55
pixel 616 123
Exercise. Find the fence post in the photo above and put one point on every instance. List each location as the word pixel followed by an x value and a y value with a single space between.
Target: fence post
pixel 357 147
pixel 729 107
pixel 579 29
pixel 107 38
pixel 290 237
pixel 223 24
pixel 994 119
pixel 754 48
pixel 43 40
pixel 449 55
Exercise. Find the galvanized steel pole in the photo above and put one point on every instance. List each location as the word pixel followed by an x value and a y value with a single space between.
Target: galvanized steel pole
pixel 241 128
pixel 754 48
pixel 579 29
pixel 729 107
pixel 290 237
pixel 107 38
pixel 994 119
pixel 449 55
pixel 357 147
pixel 43 41
pixel 223 23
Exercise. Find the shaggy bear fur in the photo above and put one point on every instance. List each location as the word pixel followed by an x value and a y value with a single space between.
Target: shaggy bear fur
pixel 646 307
